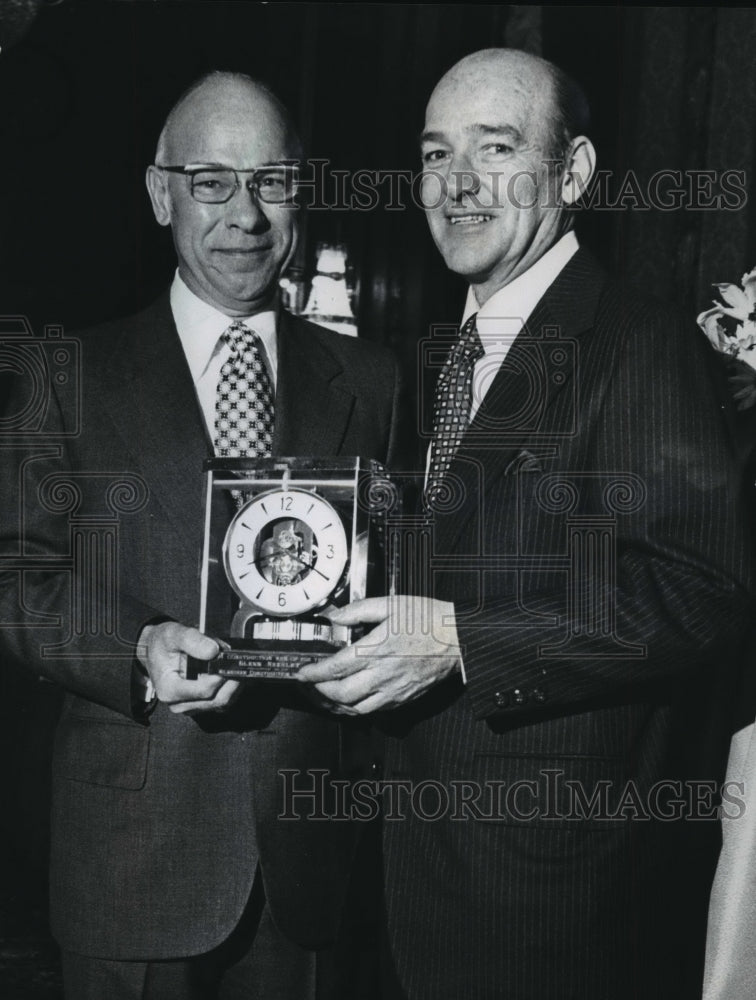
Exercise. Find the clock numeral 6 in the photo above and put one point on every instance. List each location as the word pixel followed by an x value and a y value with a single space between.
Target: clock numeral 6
pixel 282 599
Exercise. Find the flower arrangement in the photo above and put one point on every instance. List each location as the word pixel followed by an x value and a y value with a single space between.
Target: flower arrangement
pixel 731 328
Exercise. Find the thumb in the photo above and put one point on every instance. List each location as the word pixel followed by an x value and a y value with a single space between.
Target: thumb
pixel 196 644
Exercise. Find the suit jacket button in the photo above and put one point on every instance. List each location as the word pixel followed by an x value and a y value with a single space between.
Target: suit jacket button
pixel 501 699
pixel 519 697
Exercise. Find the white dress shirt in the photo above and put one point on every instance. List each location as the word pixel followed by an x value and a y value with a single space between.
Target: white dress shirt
pixel 200 327
pixel 501 317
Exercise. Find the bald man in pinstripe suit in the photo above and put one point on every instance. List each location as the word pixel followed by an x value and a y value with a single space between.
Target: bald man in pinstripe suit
pixel 559 734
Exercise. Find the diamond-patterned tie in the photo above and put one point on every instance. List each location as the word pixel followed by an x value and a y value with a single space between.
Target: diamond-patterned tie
pixel 451 410
pixel 244 402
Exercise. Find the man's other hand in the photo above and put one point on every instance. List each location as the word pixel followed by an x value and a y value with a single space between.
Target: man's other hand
pixel 163 649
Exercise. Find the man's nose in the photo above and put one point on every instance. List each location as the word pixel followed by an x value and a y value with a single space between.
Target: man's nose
pixel 245 210
pixel 462 177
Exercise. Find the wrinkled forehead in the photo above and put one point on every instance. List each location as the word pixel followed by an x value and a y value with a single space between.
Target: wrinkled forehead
pixel 240 127
pixel 512 96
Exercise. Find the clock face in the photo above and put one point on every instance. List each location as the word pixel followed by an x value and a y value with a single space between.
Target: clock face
pixel 285 552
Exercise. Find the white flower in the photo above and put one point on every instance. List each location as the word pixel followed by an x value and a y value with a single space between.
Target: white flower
pixel 730 326
pixel 737 338
pixel 709 321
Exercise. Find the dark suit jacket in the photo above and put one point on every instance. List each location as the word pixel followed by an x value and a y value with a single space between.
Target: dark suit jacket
pixel 596 553
pixel 158 823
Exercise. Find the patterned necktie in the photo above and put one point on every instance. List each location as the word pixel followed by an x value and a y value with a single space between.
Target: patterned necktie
pixel 451 410
pixel 244 401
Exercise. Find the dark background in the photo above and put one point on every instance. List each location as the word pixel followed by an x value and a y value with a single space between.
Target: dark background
pixel 82 98
pixel 84 94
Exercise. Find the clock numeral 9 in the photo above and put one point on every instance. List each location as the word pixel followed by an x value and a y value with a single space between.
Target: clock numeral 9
pixel 240 550
pixel 282 599
pixel 286 503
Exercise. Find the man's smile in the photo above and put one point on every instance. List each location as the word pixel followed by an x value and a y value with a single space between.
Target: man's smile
pixel 234 251
pixel 471 219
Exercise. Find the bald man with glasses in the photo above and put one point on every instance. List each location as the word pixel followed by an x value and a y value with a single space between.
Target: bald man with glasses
pixel 172 875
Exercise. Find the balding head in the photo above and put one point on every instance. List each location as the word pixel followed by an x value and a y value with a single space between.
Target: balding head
pixel 556 101
pixel 231 253
pixel 221 95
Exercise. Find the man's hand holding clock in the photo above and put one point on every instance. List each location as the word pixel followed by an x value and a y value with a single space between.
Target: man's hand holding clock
pixel 162 651
pixel 286 554
pixel 413 646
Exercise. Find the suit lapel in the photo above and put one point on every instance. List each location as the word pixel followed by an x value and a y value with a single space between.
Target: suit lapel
pixel 517 415
pixel 150 397
pixel 312 409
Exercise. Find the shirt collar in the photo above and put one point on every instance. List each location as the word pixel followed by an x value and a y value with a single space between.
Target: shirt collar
pixel 503 315
pixel 200 326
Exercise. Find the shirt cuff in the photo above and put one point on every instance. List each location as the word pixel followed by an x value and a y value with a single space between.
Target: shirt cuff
pixel 462 671
pixel 144 689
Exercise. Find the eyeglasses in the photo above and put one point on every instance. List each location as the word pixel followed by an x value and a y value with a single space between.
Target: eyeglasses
pixel 215 185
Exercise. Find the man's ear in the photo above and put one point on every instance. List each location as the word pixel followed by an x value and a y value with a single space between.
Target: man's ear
pixel 578 169
pixel 157 186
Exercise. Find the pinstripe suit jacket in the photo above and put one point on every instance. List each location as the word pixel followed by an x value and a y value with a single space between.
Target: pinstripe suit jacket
pixel 596 553
pixel 158 824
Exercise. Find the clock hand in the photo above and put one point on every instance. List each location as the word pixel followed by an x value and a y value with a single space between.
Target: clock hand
pixel 302 562
pixel 270 556
pixel 310 566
